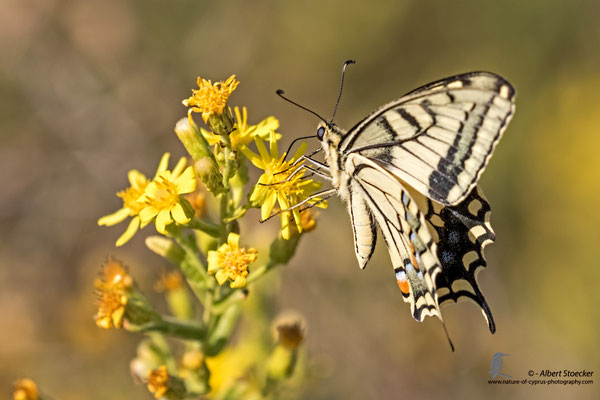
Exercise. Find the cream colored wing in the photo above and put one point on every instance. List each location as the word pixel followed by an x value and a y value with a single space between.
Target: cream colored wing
pixel 439 138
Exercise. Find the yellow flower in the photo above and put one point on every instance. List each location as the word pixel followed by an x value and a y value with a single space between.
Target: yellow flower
pixel 25 389
pixel 162 200
pixel 231 262
pixel 111 308
pixel 231 366
pixel 158 381
pixel 113 276
pixel 210 98
pixel 280 183
pixel 131 205
pixel 243 133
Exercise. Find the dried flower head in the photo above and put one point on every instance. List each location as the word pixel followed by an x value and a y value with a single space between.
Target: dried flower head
pixel 209 98
pixel 169 281
pixel 111 308
pixel 158 381
pixel 113 275
pixel 290 330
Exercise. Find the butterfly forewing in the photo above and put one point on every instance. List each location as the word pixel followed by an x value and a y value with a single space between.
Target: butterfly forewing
pixel 437 139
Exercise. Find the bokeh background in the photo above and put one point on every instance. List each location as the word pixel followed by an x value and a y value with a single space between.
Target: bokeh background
pixel 90 89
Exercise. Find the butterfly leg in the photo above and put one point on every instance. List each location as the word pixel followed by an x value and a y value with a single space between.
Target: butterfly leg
pixel 315 171
pixel 323 194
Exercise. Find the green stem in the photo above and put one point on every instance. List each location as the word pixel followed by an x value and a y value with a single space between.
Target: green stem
pixel 174 327
pixel 260 271
pixel 192 267
pixel 209 228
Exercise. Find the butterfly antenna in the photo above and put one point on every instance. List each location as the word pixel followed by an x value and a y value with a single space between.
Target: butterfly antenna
pixel 280 93
pixel 337 103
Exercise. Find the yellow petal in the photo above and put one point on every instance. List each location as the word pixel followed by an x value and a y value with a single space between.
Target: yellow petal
pixel 273 145
pixel 147 214
pixel 301 150
pixel 132 228
pixel 264 128
pixel 239 282
pixel 213 261
pixel 254 158
pixel 233 240
pixel 136 179
pixel 241 120
pixel 178 214
pixel 268 205
pixel 222 276
pixel 179 167
pixel 163 164
pixel 285 225
pixel 151 189
pixel 262 150
pixel 186 183
pixel 210 137
pixel 162 220
pixel 114 218
pixel 283 202
pixel 298 219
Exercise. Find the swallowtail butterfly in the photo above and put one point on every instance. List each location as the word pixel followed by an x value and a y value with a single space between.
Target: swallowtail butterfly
pixel 411 168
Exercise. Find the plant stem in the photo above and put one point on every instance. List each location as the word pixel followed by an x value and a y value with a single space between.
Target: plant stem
pixel 172 326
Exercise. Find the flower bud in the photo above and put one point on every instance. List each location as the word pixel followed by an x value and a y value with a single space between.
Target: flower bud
pixel 208 172
pixel 165 248
pixel 193 141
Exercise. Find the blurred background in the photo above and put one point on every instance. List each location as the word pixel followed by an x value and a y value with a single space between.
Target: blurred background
pixel 91 89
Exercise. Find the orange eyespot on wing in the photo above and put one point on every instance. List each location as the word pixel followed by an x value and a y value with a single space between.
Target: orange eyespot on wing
pixel 402 282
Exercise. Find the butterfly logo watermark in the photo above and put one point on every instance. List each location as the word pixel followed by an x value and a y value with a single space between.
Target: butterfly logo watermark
pixel 497 366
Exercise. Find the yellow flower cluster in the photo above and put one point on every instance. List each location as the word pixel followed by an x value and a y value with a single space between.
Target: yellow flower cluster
pixel 159 199
pixel 281 183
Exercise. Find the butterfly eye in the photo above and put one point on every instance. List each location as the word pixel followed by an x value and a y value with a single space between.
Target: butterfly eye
pixel 320 132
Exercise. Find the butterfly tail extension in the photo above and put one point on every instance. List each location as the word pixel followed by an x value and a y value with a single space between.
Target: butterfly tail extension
pixel 461 232
pixel 412 249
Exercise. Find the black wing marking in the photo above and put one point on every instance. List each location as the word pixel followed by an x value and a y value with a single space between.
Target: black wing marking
pixel 461 232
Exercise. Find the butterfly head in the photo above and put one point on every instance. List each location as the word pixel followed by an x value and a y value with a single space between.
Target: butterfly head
pixel 329 133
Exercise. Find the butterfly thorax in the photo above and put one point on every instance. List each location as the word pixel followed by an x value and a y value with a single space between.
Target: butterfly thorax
pixel 330 142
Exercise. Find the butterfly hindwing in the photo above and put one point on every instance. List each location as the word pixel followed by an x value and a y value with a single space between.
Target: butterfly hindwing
pixel 363 228
pixel 439 138
pixel 461 233
pixel 404 228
